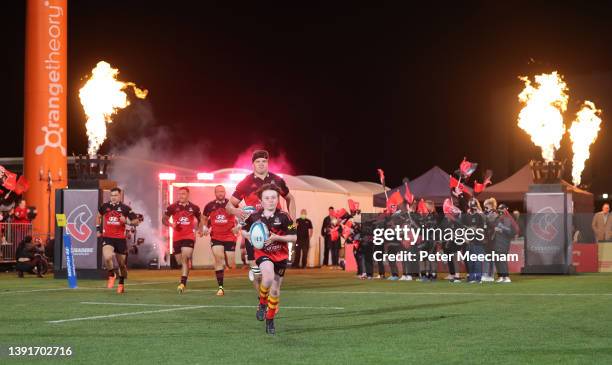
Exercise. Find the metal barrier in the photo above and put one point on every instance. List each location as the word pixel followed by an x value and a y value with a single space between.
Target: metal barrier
pixel 10 236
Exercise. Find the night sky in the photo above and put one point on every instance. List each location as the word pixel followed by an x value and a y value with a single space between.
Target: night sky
pixel 340 88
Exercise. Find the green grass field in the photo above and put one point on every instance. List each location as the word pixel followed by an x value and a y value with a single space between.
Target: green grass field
pixel 326 317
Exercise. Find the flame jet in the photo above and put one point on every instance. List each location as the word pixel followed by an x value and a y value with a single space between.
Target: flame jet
pixel 541 117
pixel 102 96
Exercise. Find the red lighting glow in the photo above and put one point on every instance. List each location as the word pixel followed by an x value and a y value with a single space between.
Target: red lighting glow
pixel 278 160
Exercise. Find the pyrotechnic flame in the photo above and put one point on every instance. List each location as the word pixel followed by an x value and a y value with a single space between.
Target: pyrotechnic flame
pixel 541 116
pixel 583 133
pixel 102 96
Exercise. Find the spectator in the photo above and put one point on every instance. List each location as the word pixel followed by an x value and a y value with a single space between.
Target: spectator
pixel 411 267
pixel 26 257
pixel 490 211
pixel 335 232
pixel 4 216
pixel 326 233
pixel 20 213
pixel 366 245
pixel 304 233
pixel 393 246
pixel 475 220
pixel 450 248
pixel 429 269
pixel 602 224
pixel 505 229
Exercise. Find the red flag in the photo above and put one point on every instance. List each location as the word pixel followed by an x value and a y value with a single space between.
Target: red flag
pixel 478 187
pixel 408 196
pixel 340 213
pixel 458 187
pixel 10 179
pixel 467 168
pixel 353 205
pixel 22 185
pixel 450 208
pixel 421 207
pixel 381 176
pixel 395 199
pixel 454 183
pixel 346 229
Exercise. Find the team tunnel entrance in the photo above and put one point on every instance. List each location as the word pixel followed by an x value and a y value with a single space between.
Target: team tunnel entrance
pixel 315 194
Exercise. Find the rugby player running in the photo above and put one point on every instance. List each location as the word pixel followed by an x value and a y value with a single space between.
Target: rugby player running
pixel 247 190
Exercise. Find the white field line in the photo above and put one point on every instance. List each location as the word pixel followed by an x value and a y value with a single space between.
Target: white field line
pixel 204 306
pixel 97 287
pixel 172 309
pixel 123 314
pixel 455 293
pixel 32 290
pixel 137 304
pixel 78 289
pixel 510 294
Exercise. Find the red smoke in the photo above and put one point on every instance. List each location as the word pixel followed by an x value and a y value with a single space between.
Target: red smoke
pixel 278 163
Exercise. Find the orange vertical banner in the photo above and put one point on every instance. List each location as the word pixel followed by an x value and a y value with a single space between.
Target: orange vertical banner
pixel 45 106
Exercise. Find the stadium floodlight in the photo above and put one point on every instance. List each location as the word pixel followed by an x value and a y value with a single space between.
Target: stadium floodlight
pixel 167 176
pixel 206 176
pixel 237 176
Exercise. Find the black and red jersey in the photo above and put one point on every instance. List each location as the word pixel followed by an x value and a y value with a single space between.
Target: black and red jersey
pixel 247 189
pixel 281 224
pixel 220 221
pixel 186 217
pixel 111 213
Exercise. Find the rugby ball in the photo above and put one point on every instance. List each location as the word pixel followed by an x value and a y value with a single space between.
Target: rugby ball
pixel 259 234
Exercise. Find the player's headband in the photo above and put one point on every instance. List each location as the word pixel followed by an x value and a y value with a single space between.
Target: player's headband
pixel 260 154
